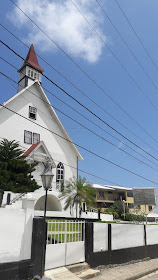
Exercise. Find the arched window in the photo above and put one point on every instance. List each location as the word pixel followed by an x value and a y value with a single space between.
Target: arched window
pixel 60 173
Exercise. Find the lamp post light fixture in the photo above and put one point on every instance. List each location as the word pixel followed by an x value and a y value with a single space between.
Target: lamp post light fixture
pixel 47 177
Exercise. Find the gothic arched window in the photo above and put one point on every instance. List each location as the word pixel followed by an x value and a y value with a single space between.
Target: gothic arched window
pixel 60 173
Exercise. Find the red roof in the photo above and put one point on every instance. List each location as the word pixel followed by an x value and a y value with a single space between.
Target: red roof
pixel 32 59
pixel 30 149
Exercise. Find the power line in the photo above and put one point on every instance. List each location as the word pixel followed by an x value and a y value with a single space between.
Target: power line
pixel 128 47
pixel 81 147
pixel 96 134
pixel 118 60
pixel 92 99
pixel 83 171
pixel 140 41
pixel 83 105
pixel 84 70
pixel 79 114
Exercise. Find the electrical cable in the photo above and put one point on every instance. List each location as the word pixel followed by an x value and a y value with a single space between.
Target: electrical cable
pixel 81 67
pixel 83 105
pixel 91 98
pixel 140 41
pixel 96 134
pixel 118 60
pixel 81 147
pixel 128 47
pixel 77 113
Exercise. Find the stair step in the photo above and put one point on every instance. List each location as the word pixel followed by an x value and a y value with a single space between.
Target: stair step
pixel 60 274
pixel 89 273
pixel 74 268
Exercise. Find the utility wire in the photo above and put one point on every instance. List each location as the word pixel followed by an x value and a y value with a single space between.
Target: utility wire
pixel 118 60
pixel 128 47
pixel 78 113
pixel 83 171
pixel 89 97
pixel 92 99
pixel 81 147
pixel 140 41
pixel 96 134
pixel 79 67
pixel 83 105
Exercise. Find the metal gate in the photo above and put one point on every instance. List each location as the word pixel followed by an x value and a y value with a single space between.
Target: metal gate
pixel 65 243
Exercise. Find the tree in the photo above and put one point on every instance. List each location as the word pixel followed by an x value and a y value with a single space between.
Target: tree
pixel 117 208
pixel 15 172
pixel 78 191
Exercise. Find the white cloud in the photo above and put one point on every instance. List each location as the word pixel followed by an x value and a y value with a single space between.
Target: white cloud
pixel 64 24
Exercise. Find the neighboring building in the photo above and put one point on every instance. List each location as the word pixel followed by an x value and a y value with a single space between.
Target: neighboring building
pixel 32 103
pixel 107 195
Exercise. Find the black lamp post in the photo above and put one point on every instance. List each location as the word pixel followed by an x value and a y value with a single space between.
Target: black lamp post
pixel 47 177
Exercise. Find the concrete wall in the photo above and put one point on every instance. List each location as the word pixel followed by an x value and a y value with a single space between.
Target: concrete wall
pixel 122 243
pixel 15 234
pixel 127 236
pixel 100 235
pixel 152 234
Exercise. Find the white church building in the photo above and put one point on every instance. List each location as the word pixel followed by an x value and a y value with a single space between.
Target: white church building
pixel 39 142
pixel 31 120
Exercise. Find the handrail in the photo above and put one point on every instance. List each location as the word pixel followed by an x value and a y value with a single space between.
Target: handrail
pixel 16 198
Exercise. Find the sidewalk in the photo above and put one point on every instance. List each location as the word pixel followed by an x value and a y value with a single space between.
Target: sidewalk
pixel 128 271
pixel 60 273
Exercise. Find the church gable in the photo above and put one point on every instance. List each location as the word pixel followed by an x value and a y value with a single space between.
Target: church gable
pixel 33 104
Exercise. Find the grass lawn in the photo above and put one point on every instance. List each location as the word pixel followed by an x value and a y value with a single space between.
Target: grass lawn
pixel 64 231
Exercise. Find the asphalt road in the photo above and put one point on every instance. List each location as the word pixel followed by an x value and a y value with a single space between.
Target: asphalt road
pixel 151 276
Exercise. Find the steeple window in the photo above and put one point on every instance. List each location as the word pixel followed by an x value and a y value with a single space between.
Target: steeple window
pixel 33 74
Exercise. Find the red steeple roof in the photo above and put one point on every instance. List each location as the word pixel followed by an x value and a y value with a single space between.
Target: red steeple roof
pixel 32 59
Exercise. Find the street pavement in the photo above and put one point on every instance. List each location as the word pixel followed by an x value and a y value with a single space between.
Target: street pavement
pixel 142 270
pixel 130 271
pixel 151 276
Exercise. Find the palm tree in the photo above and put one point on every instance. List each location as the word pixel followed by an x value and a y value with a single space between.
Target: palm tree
pixel 78 191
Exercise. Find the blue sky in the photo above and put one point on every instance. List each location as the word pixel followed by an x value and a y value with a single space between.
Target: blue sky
pixel 64 24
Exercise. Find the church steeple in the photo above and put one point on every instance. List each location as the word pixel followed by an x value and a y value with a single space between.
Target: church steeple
pixel 30 70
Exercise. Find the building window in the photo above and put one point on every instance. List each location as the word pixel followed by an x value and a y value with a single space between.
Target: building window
pixel 130 205
pixel 32 112
pixel 109 192
pixel 150 208
pixel 60 173
pixel 36 138
pixel 31 138
pixel 129 194
pixel 27 137
pixel 101 195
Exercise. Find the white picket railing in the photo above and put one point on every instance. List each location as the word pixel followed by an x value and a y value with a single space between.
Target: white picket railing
pixel 65 231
